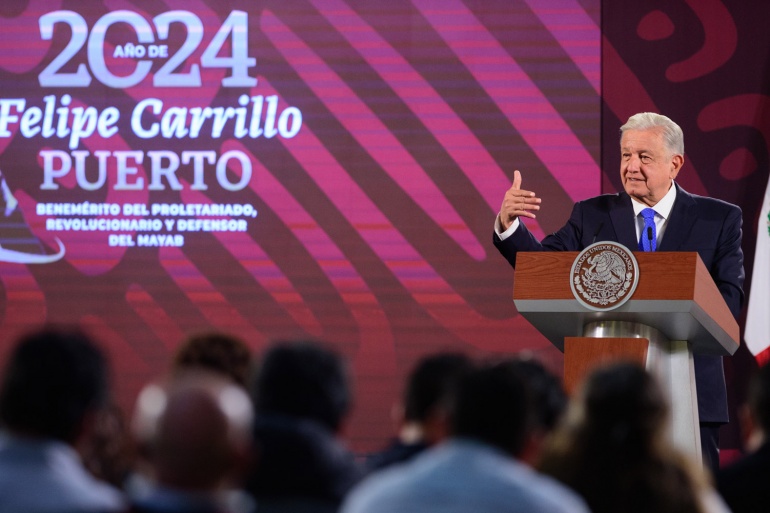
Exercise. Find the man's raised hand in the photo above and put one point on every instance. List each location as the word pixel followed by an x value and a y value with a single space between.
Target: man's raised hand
pixel 517 202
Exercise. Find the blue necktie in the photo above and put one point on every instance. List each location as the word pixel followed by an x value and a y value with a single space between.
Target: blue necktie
pixel 648 240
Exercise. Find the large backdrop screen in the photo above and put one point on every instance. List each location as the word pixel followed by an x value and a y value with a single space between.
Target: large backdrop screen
pixel 320 169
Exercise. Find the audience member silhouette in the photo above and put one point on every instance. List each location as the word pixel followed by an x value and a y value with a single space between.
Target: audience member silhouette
pixel 197 428
pixel 109 453
pixel 423 414
pixel 614 449
pixel 744 484
pixel 549 403
pixel 54 385
pixel 476 468
pixel 301 397
pixel 216 352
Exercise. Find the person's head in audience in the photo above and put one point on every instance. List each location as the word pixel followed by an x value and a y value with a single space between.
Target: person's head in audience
pixel 54 388
pixel 303 380
pixel 302 399
pixel 422 416
pixel 197 431
pixel 743 482
pixel 614 448
pixel 55 382
pixel 625 403
pixel 493 405
pixel 109 453
pixel 549 402
pixel 427 393
pixel 216 352
pixel 756 414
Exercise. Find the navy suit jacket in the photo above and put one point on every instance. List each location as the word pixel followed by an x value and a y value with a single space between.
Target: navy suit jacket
pixel 709 226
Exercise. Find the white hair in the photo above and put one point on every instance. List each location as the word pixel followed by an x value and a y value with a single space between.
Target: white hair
pixel 672 134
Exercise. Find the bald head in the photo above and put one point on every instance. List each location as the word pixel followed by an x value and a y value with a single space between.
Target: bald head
pixel 197 428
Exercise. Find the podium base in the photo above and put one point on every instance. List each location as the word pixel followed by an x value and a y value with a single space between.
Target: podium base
pixel 671 361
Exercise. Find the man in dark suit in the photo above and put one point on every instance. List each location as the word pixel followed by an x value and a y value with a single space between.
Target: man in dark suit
pixel 652 154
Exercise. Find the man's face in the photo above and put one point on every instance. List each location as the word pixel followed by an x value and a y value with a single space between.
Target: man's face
pixel 647 167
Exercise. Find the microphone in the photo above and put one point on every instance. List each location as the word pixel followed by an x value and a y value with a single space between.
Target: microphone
pixel 601 225
pixel 649 236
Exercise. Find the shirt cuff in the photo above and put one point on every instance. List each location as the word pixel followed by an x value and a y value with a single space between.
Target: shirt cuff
pixel 502 235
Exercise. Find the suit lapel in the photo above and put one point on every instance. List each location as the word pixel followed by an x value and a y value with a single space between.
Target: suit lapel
pixel 622 215
pixel 680 221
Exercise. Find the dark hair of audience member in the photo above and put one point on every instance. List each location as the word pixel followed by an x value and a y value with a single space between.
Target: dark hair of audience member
pixel 549 402
pixel 217 352
pixel 549 398
pixel 109 452
pixel 423 416
pixel 304 380
pixel 53 379
pixel 301 399
pixel 758 398
pixel 493 405
pixel 431 382
pixel 743 482
pixel 613 448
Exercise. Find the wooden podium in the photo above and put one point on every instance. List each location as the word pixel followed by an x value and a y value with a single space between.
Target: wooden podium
pixel 675 311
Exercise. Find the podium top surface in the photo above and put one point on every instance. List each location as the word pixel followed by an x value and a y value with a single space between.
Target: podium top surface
pixel 675 295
